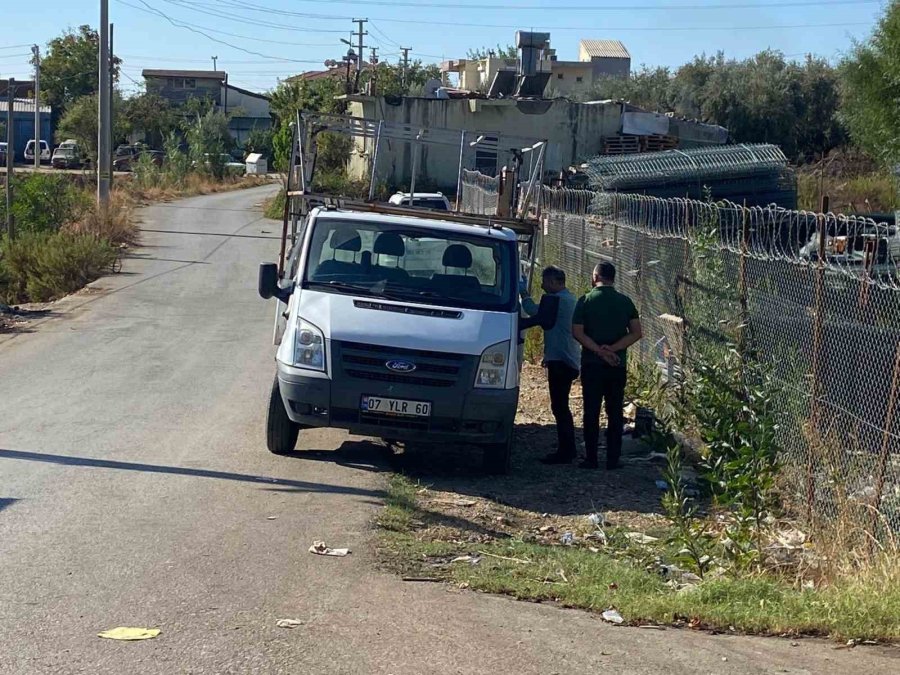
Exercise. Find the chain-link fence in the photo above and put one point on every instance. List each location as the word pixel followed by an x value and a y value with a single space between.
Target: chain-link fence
pixel 814 299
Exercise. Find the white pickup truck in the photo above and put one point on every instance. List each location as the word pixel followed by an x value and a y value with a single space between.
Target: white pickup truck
pixel 398 327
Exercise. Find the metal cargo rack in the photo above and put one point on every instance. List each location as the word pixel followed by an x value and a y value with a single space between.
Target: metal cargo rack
pixel 300 198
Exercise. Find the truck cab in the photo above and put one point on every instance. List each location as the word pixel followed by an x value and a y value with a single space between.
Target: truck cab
pixel 397 327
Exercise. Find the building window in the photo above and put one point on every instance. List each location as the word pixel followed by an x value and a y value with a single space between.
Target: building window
pixel 579 79
pixel 191 83
pixel 559 76
pixel 486 160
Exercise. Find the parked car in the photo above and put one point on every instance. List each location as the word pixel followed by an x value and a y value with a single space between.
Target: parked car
pixel 232 166
pixel 45 151
pixel 67 157
pixel 425 200
pixel 3 154
pixel 125 162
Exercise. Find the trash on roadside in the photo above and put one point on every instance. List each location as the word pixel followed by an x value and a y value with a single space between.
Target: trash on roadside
pixel 128 633
pixel 599 535
pixel 319 548
pixel 612 616
pixel 640 537
pixel 471 559
pixel 288 623
pixel 546 528
pixel 567 539
pixel 455 502
pixel 271 517
pixel 598 520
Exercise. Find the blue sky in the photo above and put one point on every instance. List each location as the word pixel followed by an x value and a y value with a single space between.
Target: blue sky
pixel 290 36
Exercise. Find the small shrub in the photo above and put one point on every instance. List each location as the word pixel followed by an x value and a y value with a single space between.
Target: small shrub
pixel 274 206
pixel 45 202
pixel 43 266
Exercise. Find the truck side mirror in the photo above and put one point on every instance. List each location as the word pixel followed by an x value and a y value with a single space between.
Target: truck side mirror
pixel 268 283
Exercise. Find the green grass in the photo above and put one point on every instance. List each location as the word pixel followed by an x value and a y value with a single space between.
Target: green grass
pixel 870 192
pixel 865 605
pixel 273 207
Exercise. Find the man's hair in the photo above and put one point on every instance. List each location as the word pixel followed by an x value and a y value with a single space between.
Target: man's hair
pixel 555 273
pixel 605 271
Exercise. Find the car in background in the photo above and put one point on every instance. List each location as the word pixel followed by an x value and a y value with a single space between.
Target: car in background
pixel 230 164
pixel 126 160
pixel 45 151
pixel 2 154
pixel 425 200
pixel 67 158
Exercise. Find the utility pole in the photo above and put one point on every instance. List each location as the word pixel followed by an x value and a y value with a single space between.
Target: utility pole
pixel 36 51
pixel 404 66
pixel 360 47
pixel 103 133
pixel 112 65
pixel 10 156
pixel 214 59
pixel 373 59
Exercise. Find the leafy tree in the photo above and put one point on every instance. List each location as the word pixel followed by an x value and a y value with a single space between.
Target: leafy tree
pixel 508 52
pixel 150 114
pixel 315 95
pixel 80 123
pixel 260 140
pixel 209 139
pixel 69 70
pixel 870 79
pixel 389 78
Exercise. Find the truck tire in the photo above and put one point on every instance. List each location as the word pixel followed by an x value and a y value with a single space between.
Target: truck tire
pixel 496 457
pixel 281 432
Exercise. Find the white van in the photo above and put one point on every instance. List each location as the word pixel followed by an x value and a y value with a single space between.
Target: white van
pixel 29 151
pixel 424 200
pixel 397 327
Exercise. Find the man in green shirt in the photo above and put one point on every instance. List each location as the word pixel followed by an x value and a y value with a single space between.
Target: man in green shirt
pixel 606 323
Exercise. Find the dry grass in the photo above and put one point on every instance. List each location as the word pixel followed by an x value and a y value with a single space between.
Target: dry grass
pixel 116 225
pixel 192 185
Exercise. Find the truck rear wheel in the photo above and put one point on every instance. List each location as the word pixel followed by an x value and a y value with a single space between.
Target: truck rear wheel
pixel 281 432
pixel 497 456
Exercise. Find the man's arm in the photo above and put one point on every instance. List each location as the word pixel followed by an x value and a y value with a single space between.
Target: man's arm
pixel 545 316
pixel 530 306
pixel 635 333
pixel 603 351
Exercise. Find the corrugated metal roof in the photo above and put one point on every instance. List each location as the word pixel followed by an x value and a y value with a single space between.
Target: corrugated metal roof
pixel 198 74
pixel 23 105
pixel 607 49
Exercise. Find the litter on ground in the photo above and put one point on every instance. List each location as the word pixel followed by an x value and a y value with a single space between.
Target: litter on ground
pixel 319 548
pixel 612 616
pixel 288 623
pixel 129 633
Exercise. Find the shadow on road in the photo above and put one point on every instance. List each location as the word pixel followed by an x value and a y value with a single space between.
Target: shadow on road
pixel 7 501
pixel 297 485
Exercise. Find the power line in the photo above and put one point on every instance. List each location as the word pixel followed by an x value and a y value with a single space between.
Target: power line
pixel 555 9
pixel 193 7
pixel 178 24
pixel 15 47
pixel 272 10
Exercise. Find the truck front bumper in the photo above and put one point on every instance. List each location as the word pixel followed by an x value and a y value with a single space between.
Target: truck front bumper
pixel 479 416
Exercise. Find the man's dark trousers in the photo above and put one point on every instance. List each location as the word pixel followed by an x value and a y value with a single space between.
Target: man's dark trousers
pixel 560 377
pixel 603 383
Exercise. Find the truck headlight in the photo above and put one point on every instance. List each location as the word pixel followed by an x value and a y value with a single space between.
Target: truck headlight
pixel 492 367
pixel 309 346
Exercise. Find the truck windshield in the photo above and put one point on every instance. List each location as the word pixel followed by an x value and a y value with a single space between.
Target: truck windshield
pixel 412 264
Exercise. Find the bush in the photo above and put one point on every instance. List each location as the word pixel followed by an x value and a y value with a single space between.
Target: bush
pixel 43 266
pixel 45 203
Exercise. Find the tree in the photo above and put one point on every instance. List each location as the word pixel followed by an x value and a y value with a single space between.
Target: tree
pixel 80 123
pixel 389 78
pixel 507 52
pixel 148 114
pixel 313 95
pixel 870 89
pixel 259 140
pixel 69 70
pixel 209 139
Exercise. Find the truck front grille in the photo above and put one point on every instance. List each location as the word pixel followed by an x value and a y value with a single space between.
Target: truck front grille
pixel 369 362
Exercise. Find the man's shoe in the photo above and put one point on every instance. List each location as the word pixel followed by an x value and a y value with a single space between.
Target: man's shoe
pixel 556 458
pixel 588 464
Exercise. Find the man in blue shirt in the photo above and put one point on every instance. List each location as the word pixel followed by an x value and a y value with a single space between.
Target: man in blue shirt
pixel 562 354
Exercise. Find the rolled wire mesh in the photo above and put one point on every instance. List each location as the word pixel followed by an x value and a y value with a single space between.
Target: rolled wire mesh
pixel 816 298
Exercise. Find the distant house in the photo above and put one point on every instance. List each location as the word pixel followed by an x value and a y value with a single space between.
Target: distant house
pixel 24 89
pixel 247 110
pixel 596 59
pixel 23 123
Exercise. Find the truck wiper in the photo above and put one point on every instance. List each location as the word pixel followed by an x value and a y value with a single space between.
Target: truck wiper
pixel 377 289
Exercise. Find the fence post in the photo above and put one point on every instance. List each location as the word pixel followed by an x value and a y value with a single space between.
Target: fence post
pixel 742 284
pixel 583 246
pixel 615 255
pixel 818 325
pixel 885 442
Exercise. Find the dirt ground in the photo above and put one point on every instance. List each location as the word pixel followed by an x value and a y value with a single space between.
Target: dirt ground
pixel 536 502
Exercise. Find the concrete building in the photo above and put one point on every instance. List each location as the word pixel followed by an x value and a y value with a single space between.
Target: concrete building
pixel 597 59
pixel 23 123
pixel 574 131
pixel 248 110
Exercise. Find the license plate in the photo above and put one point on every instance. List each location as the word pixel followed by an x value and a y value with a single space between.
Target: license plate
pixel 395 406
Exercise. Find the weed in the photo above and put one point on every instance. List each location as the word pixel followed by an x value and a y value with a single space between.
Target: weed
pixel 691 533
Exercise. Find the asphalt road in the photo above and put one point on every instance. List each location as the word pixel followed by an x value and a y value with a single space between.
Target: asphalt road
pixel 136 490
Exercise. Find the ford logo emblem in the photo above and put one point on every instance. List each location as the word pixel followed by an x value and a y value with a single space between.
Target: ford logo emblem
pixel 399 366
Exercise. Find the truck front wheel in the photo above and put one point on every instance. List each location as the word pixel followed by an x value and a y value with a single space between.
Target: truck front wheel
pixel 497 456
pixel 281 432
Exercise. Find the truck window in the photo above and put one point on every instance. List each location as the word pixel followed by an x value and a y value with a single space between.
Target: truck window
pixel 414 264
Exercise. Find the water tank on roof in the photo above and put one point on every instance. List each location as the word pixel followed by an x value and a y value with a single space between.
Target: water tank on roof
pixel 531 46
